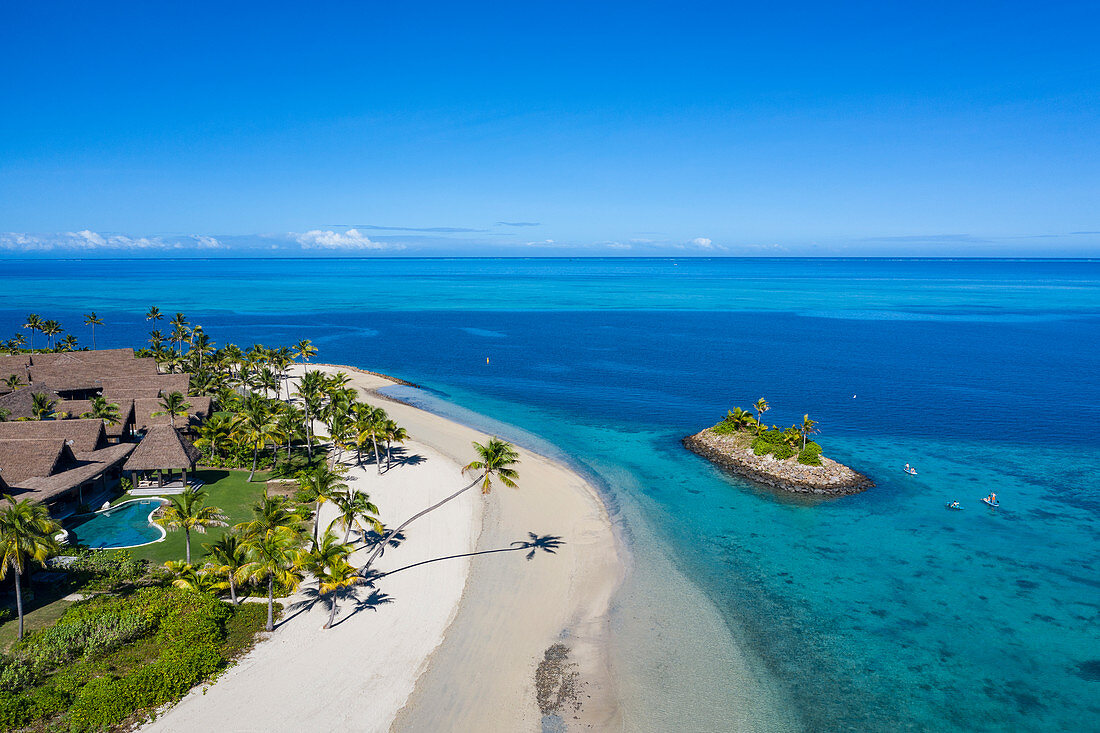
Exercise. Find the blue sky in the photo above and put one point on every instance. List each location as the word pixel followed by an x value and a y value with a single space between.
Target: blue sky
pixel 550 129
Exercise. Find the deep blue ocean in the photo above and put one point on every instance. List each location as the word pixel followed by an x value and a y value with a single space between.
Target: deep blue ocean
pixel 881 611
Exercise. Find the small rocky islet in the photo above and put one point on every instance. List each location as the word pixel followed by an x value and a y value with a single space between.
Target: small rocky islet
pixel 781 459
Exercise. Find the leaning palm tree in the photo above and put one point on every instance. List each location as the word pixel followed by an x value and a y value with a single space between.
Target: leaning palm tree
pixel 304 350
pixel 355 510
pixel 761 406
pixel 188 511
pixel 272 557
pixel 13 382
pixel 335 581
pixel 174 405
pixel 808 427
pixel 42 406
pixel 495 461
pixel 91 319
pixel 228 556
pixel 320 485
pixel 106 411
pixel 26 534
pixel 34 323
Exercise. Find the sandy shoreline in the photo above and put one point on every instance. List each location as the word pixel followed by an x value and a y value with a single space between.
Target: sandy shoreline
pixel 459 642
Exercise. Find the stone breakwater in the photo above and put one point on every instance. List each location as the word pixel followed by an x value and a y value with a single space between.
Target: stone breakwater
pixel 731 453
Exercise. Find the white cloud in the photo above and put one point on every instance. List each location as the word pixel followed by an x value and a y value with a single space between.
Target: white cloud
pixel 352 239
pixel 88 241
pixel 703 243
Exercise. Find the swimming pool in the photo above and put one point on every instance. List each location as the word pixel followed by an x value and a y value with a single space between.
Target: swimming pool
pixel 124 525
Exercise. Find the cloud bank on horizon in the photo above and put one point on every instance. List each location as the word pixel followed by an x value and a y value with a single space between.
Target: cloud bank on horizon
pixel 463 241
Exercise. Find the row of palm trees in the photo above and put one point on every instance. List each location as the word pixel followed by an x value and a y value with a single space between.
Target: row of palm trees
pixel 271 548
pixel 742 419
pixel 51 328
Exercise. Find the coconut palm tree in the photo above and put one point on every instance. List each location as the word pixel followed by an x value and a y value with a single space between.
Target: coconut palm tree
pixel 496 461
pixel 761 406
pixel 156 340
pixel 188 511
pixel 51 328
pixel 106 411
pixel 215 433
pixel 311 393
pixel 42 406
pixel 34 323
pixel 255 428
pixel 394 434
pixel 289 424
pixel 336 581
pixel 269 514
pixel 808 427
pixel 356 510
pixel 26 535
pixel 740 419
pixel 91 319
pixel 13 382
pixel 154 315
pixel 228 556
pixel 67 344
pixel 174 405
pixel 178 336
pixel 304 350
pixel 370 426
pixel 320 485
pixel 188 577
pixel 272 556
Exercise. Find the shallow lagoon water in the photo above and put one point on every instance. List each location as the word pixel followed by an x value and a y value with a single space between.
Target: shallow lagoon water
pixel 881 611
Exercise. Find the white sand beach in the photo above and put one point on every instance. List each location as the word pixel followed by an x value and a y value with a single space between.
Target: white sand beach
pixel 454 644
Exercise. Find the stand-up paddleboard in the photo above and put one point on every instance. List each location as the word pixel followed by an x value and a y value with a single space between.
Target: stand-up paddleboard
pixel 910 470
pixel 987 502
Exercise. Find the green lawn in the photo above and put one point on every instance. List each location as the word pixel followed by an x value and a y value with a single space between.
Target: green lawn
pixel 226 489
pixel 39 613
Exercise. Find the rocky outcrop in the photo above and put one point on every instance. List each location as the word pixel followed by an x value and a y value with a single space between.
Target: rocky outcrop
pixel 733 453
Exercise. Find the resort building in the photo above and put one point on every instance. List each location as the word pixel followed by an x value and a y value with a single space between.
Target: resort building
pixel 49 453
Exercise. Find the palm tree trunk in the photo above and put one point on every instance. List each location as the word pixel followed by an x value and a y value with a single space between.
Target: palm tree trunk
pixel 232 589
pixel 387 455
pixel 309 433
pixel 271 603
pixel 255 457
pixel 19 603
pixel 187 543
pixel 382 543
pixel 332 613
pixel 317 521
pixel 347 531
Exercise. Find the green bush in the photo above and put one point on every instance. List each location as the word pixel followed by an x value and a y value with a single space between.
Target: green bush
pixel 16 673
pixel 762 447
pixel 107 569
pixel 725 428
pixel 810 455
pixel 773 437
pixel 783 452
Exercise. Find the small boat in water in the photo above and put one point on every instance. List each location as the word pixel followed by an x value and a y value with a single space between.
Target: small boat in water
pixel 910 470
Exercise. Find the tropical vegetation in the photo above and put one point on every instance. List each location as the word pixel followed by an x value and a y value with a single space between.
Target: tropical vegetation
pixel 781 443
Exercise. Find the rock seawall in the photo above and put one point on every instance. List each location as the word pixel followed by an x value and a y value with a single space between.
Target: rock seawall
pixel 731 453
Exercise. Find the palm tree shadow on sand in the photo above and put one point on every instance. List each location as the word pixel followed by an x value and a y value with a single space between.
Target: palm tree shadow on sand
pixel 311 596
pixel 546 543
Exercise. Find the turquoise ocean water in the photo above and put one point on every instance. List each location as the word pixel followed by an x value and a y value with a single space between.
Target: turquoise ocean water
pixel 881 611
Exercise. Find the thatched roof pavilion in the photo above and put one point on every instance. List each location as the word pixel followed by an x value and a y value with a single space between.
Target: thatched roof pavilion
pixel 163 449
